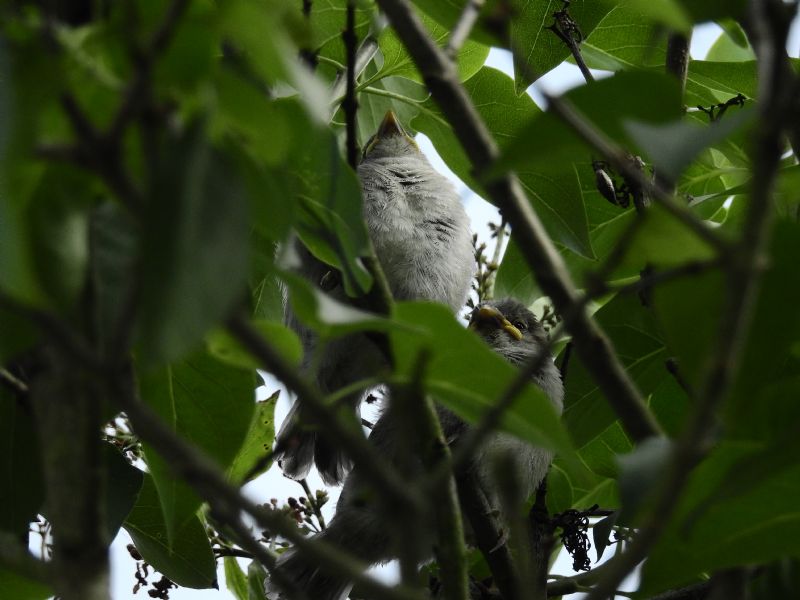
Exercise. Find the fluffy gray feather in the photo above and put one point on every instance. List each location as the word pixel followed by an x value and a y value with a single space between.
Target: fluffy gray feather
pixel 358 526
pixel 422 239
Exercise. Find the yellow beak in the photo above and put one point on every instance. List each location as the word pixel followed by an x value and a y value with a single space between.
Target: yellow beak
pixel 486 315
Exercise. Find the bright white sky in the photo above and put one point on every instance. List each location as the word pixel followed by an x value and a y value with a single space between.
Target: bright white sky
pixel 272 484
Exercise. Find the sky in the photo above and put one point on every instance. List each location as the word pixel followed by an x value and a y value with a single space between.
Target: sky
pixel 272 484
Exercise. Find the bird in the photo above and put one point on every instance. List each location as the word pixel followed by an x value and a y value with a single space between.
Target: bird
pixel 358 527
pixel 423 241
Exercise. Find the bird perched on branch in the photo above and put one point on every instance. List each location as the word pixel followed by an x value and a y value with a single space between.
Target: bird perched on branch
pixel 422 239
pixel 362 530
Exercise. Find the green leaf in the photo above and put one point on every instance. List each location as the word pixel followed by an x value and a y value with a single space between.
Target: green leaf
pixel 775 327
pixel 559 491
pixel 608 104
pixel 402 96
pixel 235 579
pixel 21 485
pixel 672 147
pixel 601 533
pixel 188 560
pixel 19 588
pixel 114 247
pixel 669 13
pixel 396 60
pixel 225 348
pixel 553 187
pixel 626 38
pixel 208 403
pixel 257 443
pixel 256 574
pixel 639 474
pixel 713 10
pixel 195 254
pixel 757 526
pixel 688 312
pixel 466 376
pixel 637 341
pixel 540 48
pixel 731 45
pixel 124 483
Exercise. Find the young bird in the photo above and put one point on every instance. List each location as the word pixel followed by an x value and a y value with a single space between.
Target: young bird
pixel 422 239
pixel 512 331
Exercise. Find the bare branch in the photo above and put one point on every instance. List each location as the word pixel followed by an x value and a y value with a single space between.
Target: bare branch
pixel 350 104
pixel 678 57
pixel 463 27
pixel 543 258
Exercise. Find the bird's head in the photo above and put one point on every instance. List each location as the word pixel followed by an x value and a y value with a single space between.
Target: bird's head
pixel 509 328
pixel 390 140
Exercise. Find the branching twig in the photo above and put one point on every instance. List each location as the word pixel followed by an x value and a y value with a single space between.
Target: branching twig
pixel 568 32
pixel 463 27
pixel 543 258
pixel 350 104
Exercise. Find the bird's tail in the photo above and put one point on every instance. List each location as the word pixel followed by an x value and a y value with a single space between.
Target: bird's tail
pixel 299 445
pixel 308 578
pixel 294 450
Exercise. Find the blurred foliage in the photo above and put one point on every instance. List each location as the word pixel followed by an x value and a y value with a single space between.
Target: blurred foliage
pixel 142 240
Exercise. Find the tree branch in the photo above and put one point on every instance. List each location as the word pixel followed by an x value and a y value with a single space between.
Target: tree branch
pixel 463 27
pixel 350 104
pixel 543 258
pixel 767 29
pixel 678 58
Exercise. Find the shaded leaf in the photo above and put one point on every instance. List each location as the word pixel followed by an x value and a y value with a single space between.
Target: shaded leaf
pixel 601 533
pixel 257 443
pixel 21 485
pixel 210 404
pixel 19 588
pixel 188 559
pixel 235 579
pixel 195 254
pixel 124 483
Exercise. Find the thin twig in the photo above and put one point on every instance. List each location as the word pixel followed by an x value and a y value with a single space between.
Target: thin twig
pixel 568 32
pixel 540 253
pixel 350 104
pixel 312 501
pixel 463 27
pixel 366 52
pixel 15 384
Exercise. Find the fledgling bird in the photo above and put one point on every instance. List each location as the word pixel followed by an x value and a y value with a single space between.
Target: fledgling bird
pixel 422 239
pixel 357 527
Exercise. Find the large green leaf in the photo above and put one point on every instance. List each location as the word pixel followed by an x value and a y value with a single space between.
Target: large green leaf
pixel 195 255
pixel 540 48
pixel 257 443
pixel 628 37
pixel 235 579
pixel 553 187
pixel 634 333
pixel 760 525
pixel 21 484
pixel 210 404
pixel 396 61
pixel 466 376
pixel 19 588
pixel 124 484
pixel 188 559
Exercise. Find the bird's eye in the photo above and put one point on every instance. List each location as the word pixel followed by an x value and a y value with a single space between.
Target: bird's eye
pixel 520 325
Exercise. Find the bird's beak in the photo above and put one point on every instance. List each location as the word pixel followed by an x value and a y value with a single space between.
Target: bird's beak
pixel 486 316
pixel 390 126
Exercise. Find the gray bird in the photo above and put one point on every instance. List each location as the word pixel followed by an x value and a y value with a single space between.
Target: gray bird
pixel 357 527
pixel 421 235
